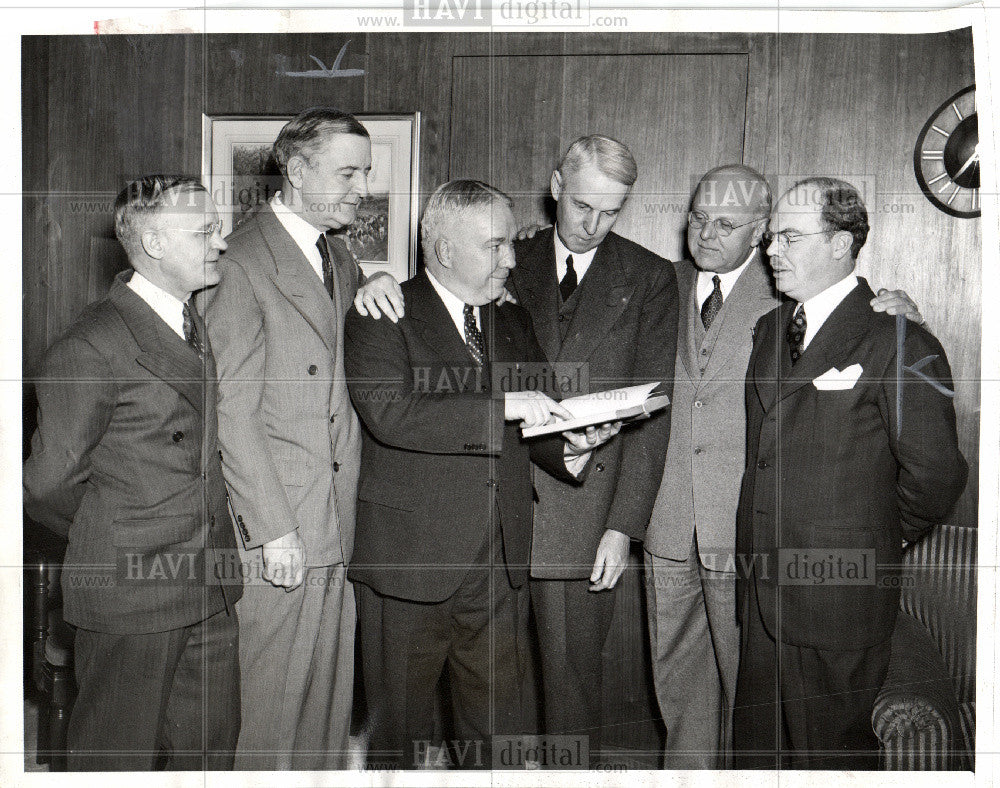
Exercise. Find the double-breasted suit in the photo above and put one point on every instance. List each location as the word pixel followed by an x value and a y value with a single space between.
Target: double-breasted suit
pixel 837 476
pixel 620 326
pixel 691 539
pixel 291 447
pixel 125 464
pixel 444 521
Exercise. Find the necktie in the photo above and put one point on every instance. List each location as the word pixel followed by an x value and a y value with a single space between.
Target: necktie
pixel 568 283
pixel 797 333
pixel 324 253
pixel 712 304
pixel 473 336
pixel 191 331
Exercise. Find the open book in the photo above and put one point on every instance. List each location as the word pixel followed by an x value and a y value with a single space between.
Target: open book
pixel 601 406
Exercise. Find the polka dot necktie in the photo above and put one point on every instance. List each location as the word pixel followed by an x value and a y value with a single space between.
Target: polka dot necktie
pixel 473 336
pixel 797 333
pixel 712 304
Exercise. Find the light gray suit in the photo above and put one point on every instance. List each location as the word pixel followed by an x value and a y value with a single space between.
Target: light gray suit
pixel 691 539
pixel 291 453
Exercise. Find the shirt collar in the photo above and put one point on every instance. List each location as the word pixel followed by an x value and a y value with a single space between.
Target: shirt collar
pixel 168 307
pixel 727 281
pixel 581 262
pixel 303 233
pixel 454 304
pixel 821 306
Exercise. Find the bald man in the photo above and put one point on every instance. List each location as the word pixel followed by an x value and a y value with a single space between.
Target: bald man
pixel 690 542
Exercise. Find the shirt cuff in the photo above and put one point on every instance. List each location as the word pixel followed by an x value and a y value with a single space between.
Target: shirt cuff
pixel 575 463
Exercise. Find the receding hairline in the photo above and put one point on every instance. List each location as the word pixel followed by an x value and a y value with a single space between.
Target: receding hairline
pixel 762 201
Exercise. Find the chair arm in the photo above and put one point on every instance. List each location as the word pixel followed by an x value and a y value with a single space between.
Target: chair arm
pixel 916 716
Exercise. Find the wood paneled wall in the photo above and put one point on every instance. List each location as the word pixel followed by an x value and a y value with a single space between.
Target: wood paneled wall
pixel 99 110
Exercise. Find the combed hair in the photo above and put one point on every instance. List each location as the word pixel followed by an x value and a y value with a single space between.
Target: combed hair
pixel 456 197
pixel 611 157
pixel 842 209
pixel 750 174
pixel 305 133
pixel 145 197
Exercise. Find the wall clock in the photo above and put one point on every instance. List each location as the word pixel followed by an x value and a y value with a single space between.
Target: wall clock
pixel 946 156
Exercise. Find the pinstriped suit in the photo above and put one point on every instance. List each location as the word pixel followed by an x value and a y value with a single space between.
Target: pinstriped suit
pixel 291 446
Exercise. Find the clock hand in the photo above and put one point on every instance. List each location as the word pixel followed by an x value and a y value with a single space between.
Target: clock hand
pixel 971 160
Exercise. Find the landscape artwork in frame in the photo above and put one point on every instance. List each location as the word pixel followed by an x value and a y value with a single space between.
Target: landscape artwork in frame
pixel 241 174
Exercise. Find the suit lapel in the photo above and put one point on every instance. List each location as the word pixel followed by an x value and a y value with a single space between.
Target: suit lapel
pixel 739 314
pixel 296 280
pixel 833 340
pixel 435 325
pixel 604 294
pixel 771 355
pixel 162 352
pixel 535 279
pixel 687 276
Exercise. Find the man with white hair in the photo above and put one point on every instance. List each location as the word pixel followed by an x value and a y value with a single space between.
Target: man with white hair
pixel 444 504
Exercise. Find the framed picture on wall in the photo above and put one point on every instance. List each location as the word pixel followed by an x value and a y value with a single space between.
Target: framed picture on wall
pixel 240 173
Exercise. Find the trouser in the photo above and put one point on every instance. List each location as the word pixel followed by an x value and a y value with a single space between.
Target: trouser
pixel 165 700
pixel 694 643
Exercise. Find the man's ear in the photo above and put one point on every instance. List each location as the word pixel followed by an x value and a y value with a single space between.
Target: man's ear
pixel 556 185
pixel 758 231
pixel 152 244
pixel 293 170
pixel 442 249
pixel 841 243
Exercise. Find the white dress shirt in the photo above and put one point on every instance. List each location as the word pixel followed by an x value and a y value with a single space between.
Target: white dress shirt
pixel 821 306
pixel 454 305
pixel 727 281
pixel 303 233
pixel 581 262
pixel 169 308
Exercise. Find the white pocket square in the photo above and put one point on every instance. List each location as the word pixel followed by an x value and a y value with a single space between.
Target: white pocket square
pixel 838 380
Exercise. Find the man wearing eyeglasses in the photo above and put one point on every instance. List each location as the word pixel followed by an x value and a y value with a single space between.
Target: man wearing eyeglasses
pixel 851 448
pixel 690 542
pixel 125 463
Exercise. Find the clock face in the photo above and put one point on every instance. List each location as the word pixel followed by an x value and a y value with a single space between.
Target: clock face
pixel 946 156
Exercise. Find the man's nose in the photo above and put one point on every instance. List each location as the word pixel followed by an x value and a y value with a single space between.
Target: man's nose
pixel 774 248
pixel 219 242
pixel 590 222
pixel 507 259
pixel 361 184
pixel 708 230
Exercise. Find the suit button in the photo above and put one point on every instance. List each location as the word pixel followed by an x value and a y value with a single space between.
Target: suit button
pixel 704 352
pixel 697 403
pixel 313 369
pixel 698 450
pixel 336 467
pixel 599 467
pixel 762 464
pixel 178 436
pixel 562 318
pixel 491 483
pixel 702 370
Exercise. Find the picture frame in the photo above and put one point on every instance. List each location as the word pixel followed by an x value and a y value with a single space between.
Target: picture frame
pixel 240 173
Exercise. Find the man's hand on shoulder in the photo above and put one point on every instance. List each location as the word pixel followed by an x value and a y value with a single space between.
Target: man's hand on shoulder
pixel 283 561
pixel 529 231
pixel 610 561
pixel 897 302
pixel 381 294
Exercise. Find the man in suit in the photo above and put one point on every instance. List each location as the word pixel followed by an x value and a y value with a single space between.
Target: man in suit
pixel 444 506
pixel 606 304
pixel 691 539
pixel 291 442
pixel 851 448
pixel 125 463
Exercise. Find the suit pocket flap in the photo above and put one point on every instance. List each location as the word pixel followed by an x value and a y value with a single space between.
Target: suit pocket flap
pixel 387 493
pixel 155 532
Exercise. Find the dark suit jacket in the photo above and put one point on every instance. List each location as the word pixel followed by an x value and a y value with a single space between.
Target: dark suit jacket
pixel 125 462
pixel 291 442
pixel 624 332
pixel 438 462
pixel 848 470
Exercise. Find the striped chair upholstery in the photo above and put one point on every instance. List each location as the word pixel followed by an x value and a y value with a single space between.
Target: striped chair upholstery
pixel 924 715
